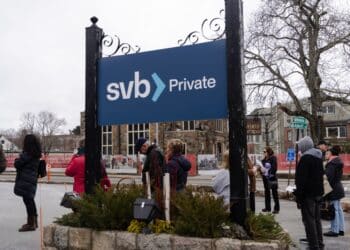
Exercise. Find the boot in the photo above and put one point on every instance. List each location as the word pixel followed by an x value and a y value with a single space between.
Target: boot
pixel 30 226
pixel 36 221
pixel 27 222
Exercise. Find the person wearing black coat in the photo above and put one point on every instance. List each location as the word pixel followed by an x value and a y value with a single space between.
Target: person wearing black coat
pixel 309 190
pixel 177 165
pixel 27 178
pixel 334 173
pixel 270 180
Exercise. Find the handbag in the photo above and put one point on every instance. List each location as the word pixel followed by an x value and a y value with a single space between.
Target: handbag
pixel 326 186
pixel 327 211
pixel 145 209
pixel 42 169
pixel 69 198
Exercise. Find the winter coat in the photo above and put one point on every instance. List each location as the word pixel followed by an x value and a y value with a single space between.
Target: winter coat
pixel 76 169
pixel 27 176
pixel 178 167
pixel 334 172
pixel 155 165
pixel 272 170
pixel 221 185
pixel 309 175
pixel 2 161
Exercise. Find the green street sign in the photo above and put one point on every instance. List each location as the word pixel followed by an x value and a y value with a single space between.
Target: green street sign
pixel 298 125
pixel 299 119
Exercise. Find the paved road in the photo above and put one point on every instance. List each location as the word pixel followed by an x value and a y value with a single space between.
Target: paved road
pixel 12 216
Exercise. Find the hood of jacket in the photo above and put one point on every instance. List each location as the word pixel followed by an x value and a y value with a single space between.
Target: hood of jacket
pixel 182 161
pixel 337 162
pixel 305 143
pixel 314 152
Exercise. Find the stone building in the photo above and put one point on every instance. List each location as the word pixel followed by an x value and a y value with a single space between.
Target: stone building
pixel 199 137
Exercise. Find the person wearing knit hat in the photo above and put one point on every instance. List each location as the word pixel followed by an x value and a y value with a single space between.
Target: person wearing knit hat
pixel 309 190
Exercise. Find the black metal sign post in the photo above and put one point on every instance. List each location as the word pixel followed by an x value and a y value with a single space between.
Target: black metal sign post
pixel 92 130
pixel 237 108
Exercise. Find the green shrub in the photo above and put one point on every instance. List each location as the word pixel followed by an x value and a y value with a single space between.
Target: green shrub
pixel 198 214
pixel 265 227
pixel 105 210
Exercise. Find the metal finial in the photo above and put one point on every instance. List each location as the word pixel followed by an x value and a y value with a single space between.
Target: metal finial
pixel 94 20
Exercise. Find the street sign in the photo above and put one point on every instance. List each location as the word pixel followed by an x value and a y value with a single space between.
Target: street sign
pixel 290 154
pixel 298 122
pixel 182 83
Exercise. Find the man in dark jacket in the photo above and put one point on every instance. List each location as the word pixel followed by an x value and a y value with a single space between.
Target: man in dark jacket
pixel 309 190
pixel 154 164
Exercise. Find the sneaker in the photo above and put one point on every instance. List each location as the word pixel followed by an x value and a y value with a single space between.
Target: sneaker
pixel 341 233
pixel 303 240
pixel 331 234
pixel 265 210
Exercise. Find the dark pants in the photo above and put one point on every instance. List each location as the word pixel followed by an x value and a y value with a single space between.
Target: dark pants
pixel 267 190
pixel 310 212
pixel 30 206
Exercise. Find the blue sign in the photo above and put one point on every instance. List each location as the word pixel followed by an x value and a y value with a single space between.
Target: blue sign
pixel 183 83
pixel 290 154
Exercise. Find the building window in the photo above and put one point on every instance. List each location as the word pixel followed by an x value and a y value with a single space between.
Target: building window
pixel 336 132
pixel 188 125
pixel 107 140
pixel 136 131
pixel 329 109
pixel 257 138
pixel 290 135
pixel 219 125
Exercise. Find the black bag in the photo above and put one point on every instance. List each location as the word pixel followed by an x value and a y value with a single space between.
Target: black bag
pixel 42 169
pixel 327 211
pixel 145 209
pixel 69 198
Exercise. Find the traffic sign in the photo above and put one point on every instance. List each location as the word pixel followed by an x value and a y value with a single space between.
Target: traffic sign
pixel 298 125
pixel 290 154
pixel 298 122
pixel 182 83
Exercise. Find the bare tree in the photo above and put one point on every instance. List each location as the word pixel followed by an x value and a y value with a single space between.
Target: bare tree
pixel 28 122
pixel 300 49
pixel 47 126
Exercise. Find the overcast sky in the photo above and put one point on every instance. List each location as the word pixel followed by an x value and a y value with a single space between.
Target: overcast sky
pixel 42 46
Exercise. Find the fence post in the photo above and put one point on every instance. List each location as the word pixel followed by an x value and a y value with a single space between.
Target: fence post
pixel 93 36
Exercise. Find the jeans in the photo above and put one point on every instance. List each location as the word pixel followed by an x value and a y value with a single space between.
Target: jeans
pixel 267 192
pixel 338 223
pixel 30 206
pixel 310 213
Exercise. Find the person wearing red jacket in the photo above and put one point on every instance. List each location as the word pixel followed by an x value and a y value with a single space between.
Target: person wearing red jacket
pixel 76 169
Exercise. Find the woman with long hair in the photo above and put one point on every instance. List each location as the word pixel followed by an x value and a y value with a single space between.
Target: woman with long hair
pixel 27 178
pixel 334 173
pixel 269 177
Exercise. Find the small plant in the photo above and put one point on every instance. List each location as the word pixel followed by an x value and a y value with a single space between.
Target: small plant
pixel 136 226
pixel 265 227
pixel 105 210
pixel 162 226
pixel 198 214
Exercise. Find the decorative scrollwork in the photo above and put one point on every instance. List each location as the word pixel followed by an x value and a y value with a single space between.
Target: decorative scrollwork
pixel 112 46
pixel 211 30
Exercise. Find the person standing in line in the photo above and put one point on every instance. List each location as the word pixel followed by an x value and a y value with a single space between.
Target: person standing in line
pixel 309 190
pixel 221 182
pixel 76 169
pixel 27 178
pixel 270 180
pixel 155 165
pixel 334 173
pixel 3 162
pixel 323 146
pixel 177 165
